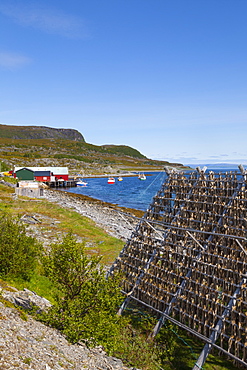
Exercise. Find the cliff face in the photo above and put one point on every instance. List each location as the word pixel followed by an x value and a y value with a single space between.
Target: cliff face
pixel 39 132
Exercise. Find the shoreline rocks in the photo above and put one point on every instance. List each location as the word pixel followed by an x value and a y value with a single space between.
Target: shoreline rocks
pixel 114 221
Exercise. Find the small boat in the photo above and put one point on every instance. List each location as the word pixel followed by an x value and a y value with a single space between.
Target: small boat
pixel 120 178
pixel 81 183
pixel 111 180
pixel 141 176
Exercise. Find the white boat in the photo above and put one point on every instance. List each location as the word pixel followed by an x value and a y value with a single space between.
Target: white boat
pixel 120 178
pixel 81 183
pixel 111 180
pixel 141 176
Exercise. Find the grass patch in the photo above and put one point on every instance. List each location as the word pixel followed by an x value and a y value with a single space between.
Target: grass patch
pixel 39 284
pixel 85 228
pixel 69 220
pixel 188 350
pixel 26 360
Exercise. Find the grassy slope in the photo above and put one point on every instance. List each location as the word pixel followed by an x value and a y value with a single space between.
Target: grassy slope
pixel 31 132
pixel 65 220
pixel 76 155
pixel 68 220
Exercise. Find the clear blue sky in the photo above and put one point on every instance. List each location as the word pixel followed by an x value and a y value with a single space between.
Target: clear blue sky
pixel 167 77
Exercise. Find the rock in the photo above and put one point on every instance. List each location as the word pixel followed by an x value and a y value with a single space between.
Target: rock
pixel 114 222
pixel 26 299
pixel 29 344
pixel 6 183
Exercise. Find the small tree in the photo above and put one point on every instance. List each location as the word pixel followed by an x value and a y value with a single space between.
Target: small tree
pixel 18 252
pixel 86 306
pixel 3 166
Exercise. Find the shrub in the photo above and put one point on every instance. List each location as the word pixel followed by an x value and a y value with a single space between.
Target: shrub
pixel 85 310
pixel 18 252
pixel 137 350
pixel 3 166
pixel 86 305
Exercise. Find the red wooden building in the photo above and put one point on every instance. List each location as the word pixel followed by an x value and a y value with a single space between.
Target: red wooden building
pixel 44 174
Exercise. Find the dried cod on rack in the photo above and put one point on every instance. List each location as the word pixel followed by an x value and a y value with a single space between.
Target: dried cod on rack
pixel 186 261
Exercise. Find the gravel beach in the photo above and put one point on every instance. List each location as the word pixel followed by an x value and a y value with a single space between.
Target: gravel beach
pixel 116 221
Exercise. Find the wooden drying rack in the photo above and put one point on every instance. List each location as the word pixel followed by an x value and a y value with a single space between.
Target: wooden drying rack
pixel 186 261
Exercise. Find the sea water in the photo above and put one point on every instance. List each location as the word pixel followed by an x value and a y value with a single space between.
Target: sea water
pixel 132 192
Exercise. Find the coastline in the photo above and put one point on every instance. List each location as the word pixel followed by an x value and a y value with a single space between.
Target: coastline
pixel 133 173
pixel 117 221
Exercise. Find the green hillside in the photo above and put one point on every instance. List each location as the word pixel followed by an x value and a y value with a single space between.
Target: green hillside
pixel 123 149
pixel 38 132
pixel 44 146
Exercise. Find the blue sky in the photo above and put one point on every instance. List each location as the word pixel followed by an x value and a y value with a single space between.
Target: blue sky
pixel 167 77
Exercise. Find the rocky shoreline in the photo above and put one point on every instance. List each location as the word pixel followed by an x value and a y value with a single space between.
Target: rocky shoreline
pixel 116 221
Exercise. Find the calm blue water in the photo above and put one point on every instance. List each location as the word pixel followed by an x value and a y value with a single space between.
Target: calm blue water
pixel 131 192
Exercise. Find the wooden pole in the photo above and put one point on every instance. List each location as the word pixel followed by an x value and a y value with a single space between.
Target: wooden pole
pixel 217 329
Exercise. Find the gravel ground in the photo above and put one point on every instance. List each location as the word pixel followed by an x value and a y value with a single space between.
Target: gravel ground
pixel 28 344
pixel 115 221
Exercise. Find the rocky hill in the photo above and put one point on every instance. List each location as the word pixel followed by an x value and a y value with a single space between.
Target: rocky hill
pixel 39 132
pixel 39 146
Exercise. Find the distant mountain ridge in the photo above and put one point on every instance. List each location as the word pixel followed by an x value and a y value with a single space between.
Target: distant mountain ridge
pixel 44 132
pixel 39 132
pixel 37 146
pixel 124 149
pixel 218 165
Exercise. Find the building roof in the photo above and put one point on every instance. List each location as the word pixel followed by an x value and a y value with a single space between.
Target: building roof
pixel 55 170
pixel 23 168
pixel 42 173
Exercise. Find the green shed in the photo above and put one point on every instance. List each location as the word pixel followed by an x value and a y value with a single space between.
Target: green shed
pixel 25 174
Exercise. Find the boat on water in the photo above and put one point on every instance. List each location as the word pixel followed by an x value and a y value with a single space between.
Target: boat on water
pixel 120 178
pixel 81 182
pixel 141 176
pixel 111 180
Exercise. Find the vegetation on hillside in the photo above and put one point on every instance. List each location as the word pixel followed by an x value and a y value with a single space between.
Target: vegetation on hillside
pixel 85 308
pixel 124 150
pixel 38 132
pixel 18 252
pixel 43 146
pixel 4 167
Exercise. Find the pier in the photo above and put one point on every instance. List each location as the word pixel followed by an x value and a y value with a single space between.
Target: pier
pixel 61 184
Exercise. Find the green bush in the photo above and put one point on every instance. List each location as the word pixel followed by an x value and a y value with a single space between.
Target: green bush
pixel 3 167
pixel 18 252
pixel 86 306
pixel 85 310
pixel 137 350
pixel 137 346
